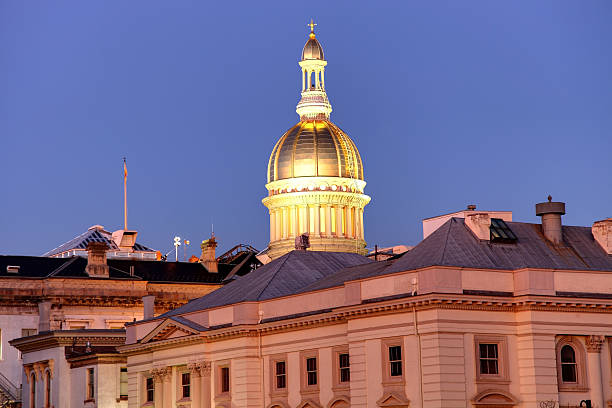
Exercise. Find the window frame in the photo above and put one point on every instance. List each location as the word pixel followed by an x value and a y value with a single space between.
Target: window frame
pixel 274 390
pixel 337 384
pixel 580 353
pixel 123 397
pixel 148 400
pixel 47 383
pixel 386 344
pixel 183 386
pixel 220 393
pixel 502 358
pixel 304 357
pixel 90 384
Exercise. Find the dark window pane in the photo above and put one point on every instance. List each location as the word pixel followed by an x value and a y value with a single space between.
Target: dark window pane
pixel 568 372
pixel 311 369
pixel 186 382
pixel 225 379
pixel 312 378
pixel 343 360
pixel 281 378
pixel 280 367
pixel 396 368
pixel 150 389
pixel 344 364
pixel 568 355
pixel 311 364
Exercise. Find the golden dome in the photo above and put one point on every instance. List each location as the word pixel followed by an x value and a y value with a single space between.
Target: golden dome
pixel 315 148
pixel 312 49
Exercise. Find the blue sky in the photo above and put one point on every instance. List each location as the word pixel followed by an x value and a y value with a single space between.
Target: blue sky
pixel 496 103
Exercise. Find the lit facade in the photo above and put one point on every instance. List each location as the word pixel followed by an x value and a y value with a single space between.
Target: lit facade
pixel 315 173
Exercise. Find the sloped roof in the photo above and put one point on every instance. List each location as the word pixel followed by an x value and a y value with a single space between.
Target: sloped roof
pixel 284 276
pixel 94 234
pixel 152 271
pixel 453 244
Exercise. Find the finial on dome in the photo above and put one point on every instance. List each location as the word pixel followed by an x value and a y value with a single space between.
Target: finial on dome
pixel 312 26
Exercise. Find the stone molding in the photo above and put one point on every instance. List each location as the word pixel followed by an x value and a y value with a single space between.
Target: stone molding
pixel 199 368
pixel 161 374
pixel 594 343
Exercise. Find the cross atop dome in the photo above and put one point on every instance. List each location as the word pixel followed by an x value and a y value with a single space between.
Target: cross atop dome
pixel 312 26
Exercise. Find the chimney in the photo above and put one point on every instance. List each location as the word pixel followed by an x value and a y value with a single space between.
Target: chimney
pixel 479 224
pixel 44 316
pixel 148 303
pixel 96 260
pixel 209 259
pixel 602 232
pixel 302 242
pixel 551 213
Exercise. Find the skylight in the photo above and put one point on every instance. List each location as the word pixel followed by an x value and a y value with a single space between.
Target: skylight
pixel 501 232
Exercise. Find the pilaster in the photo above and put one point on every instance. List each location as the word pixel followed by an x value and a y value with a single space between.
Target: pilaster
pixel 593 346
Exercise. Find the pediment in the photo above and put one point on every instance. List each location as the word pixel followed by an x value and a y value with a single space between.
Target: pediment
pixel 168 329
pixel 393 400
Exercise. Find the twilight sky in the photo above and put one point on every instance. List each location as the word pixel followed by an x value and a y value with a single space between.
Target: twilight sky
pixel 496 103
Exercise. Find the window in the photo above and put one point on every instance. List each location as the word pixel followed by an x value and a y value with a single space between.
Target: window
pixel 344 366
pixel 281 375
pixel 311 371
pixel 186 384
pixel 47 389
pixel 123 382
pixel 32 390
pixel 488 358
pixel 500 232
pixel 150 388
pixel 90 383
pixel 225 379
pixel 568 364
pixel 395 361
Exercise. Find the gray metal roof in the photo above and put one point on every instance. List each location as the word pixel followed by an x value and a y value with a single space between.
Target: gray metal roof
pixel 453 244
pixel 91 235
pixel 284 276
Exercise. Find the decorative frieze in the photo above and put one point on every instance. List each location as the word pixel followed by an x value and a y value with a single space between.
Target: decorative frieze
pixel 594 343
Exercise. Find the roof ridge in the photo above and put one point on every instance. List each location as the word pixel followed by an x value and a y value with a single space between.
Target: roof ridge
pixel 274 275
pixel 443 252
pixel 70 240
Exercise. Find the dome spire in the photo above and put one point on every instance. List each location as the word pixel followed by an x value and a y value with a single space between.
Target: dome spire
pixel 312 26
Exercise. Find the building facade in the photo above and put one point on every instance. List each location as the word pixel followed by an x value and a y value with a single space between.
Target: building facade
pixel 481 313
pixel 315 173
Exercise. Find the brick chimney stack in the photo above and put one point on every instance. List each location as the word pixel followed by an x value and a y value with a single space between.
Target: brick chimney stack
pixel 96 260
pixel 209 259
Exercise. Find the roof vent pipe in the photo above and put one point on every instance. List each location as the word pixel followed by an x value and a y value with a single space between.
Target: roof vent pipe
pixel 551 213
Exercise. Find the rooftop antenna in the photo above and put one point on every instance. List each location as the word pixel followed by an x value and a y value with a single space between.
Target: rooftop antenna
pixel 125 174
pixel 177 243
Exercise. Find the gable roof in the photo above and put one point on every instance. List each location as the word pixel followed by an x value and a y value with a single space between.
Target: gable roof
pixel 284 276
pixel 453 244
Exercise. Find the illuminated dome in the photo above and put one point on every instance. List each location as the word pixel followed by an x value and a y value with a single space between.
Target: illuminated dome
pixel 315 173
pixel 315 149
pixel 312 49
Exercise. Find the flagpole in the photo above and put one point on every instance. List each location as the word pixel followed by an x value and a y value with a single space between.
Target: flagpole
pixel 124 194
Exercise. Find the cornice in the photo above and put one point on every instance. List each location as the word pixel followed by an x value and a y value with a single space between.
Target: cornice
pixel 48 340
pixel 138 348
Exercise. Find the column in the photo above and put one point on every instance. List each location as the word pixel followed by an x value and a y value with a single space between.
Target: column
pixel 593 345
pixel 285 211
pixel 303 79
pixel 362 227
pixel 167 388
pixel 272 226
pixel 205 382
pixel 323 78
pixel 294 221
pixel 303 219
pixel 317 79
pixel 339 231
pixel 328 217
pixel 317 220
pixel 195 385
pixel 278 215
pixel 158 380
pixel 349 222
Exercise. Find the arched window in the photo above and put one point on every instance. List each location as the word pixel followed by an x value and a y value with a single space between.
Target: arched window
pixel 571 364
pixel 568 364
pixel 32 390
